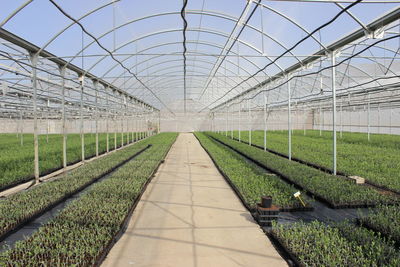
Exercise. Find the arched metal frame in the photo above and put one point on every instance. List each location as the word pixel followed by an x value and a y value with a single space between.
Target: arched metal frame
pixel 241 82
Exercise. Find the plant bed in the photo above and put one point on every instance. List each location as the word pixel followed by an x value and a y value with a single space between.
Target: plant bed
pixel 291 259
pixel 376 161
pixel 336 192
pixel 342 244
pixel 314 165
pixel 82 233
pixel 324 169
pixel 25 206
pixel 220 154
pixel 385 220
pixel 16 161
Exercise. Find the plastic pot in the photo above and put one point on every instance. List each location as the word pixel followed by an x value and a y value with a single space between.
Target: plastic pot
pixel 266 201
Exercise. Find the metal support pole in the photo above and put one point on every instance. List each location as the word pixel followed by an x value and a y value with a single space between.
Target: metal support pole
pixel 95 83
pixel 115 132
pixel 304 121
pixel 379 118
pixel 240 129
pixel 34 61
pixel 107 125
pixel 334 110
pixel 232 122
pixel 127 123
pixel 64 132
pixel 390 120
pixel 289 123
pixel 47 122
pixel 369 118
pixel 81 81
pixel 159 121
pixel 341 118
pixel 265 121
pixel 21 129
pixel 122 123
pixel 320 120
pixel 226 121
pixel 248 106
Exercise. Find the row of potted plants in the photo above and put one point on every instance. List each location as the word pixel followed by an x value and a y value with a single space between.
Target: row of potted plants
pixel 337 192
pixel 251 181
pixel 82 233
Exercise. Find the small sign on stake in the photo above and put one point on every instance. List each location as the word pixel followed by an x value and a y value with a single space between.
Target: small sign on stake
pixel 297 195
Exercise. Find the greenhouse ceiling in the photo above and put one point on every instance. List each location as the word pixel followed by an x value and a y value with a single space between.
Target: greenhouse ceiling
pixel 203 54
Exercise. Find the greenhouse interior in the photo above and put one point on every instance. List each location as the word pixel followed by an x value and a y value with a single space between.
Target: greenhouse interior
pixel 200 133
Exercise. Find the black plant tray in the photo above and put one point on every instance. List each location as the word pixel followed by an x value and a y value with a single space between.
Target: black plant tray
pixel 49 171
pixel 322 168
pixel 290 258
pixel 67 196
pixel 103 254
pixel 314 165
pixel 382 187
pixel 289 180
pixel 376 230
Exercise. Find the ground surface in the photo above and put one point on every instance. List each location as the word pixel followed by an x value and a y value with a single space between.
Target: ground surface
pixel 189 216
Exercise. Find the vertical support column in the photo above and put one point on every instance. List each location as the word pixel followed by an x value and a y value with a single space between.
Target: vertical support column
pixel 226 121
pixel 34 61
pixel 21 129
pixel 265 121
pixel 47 121
pixel 127 122
pixel 115 131
pixel 369 118
pixel 232 121
pixel 304 121
pixel 320 120
pixel 390 120
pixel 334 111
pixel 289 122
pixel 249 113
pixel 136 128
pixel 122 121
pixel 240 119
pixel 159 121
pixel 64 132
pixel 379 118
pixel 96 89
pixel 81 81
pixel 341 118
pixel 107 126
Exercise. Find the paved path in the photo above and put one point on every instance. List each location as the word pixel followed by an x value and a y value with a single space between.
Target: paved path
pixel 189 216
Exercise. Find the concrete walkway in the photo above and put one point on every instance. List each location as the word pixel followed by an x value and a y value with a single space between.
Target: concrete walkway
pixel 189 216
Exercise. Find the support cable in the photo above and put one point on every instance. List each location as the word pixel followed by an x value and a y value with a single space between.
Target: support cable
pixel 109 52
pixel 329 67
pixel 288 50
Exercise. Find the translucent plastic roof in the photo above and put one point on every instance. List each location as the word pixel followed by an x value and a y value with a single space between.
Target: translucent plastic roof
pixel 213 51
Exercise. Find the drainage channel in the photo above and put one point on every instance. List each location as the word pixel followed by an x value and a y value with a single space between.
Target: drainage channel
pixel 30 227
pixel 380 189
pixel 322 212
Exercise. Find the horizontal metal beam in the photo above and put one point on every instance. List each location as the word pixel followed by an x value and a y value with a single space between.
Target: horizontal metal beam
pixel 373 26
pixel 12 38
